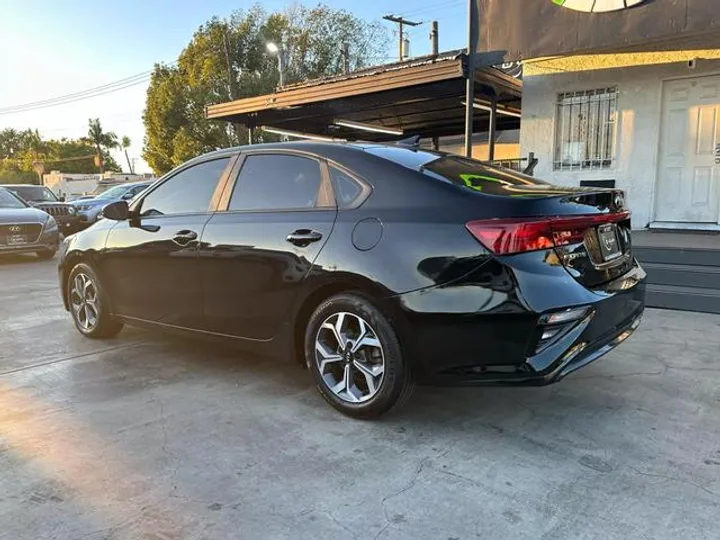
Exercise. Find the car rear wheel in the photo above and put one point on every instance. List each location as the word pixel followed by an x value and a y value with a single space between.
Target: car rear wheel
pixel 89 305
pixel 355 356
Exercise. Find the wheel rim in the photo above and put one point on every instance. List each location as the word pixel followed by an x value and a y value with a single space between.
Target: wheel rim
pixel 349 357
pixel 84 301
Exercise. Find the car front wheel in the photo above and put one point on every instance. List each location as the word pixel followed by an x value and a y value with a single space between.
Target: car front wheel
pixel 89 305
pixel 355 356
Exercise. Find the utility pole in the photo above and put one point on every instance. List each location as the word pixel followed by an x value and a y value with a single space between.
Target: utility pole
pixel 473 38
pixel 400 21
pixel 346 58
pixel 232 82
pixel 434 38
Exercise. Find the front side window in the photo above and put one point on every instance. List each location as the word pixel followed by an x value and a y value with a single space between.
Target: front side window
pixel 278 182
pixel 188 192
pixel 585 129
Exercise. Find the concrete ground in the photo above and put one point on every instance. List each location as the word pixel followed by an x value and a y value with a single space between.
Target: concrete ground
pixel 153 437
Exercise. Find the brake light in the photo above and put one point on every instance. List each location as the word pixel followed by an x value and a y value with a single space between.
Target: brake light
pixel 507 236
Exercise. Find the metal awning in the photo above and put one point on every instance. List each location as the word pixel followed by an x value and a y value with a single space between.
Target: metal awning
pixel 424 96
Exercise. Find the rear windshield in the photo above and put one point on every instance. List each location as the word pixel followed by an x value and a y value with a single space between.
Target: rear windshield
pixel 467 173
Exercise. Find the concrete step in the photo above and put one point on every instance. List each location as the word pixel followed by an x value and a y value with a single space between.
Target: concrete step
pixel 694 257
pixel 683 275
pixel 683 298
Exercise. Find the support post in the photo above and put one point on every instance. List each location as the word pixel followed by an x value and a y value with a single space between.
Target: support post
pixel 436 143
pixel 492 128
pixel 473 21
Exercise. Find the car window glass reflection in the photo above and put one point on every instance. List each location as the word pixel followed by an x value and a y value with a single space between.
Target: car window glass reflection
pixel 188 192
pixel 277 182
pixel 346 189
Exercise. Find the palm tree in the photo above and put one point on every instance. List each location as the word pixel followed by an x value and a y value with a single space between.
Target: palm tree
pixel 125 144
pixel 101 140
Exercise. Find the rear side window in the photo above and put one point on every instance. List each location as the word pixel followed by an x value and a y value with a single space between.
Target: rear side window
pixel 188 192
pixel 277 182
pixel 468 173
pixel 347 189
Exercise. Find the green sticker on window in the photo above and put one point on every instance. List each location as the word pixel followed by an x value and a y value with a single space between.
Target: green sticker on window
pixel 597 6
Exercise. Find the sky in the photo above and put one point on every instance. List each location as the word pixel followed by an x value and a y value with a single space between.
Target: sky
pixel 51 48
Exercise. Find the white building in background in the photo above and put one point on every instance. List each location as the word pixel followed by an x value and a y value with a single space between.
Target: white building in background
pixel 646 123
pixel 72 186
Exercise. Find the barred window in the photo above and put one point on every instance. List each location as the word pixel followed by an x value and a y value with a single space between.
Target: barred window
pixel 585 129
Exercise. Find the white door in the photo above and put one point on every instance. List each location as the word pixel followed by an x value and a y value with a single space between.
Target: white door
pixel 688 183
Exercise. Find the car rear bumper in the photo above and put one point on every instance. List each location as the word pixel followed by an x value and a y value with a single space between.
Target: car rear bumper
pixel 500 346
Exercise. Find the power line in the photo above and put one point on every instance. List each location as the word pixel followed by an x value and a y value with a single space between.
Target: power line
pixel 75 94
pixel 434 7
pixel 72 98
pixel 49 160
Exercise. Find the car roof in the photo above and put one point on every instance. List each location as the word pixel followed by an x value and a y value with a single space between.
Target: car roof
pixel 315 147
pixel 138 183
pixel 20 185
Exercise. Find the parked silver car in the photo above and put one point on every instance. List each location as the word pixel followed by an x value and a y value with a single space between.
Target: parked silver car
pixel 24 229
pixel 88 210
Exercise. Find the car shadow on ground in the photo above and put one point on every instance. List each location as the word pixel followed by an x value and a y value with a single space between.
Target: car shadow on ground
pixel 20 258
pixel 182 359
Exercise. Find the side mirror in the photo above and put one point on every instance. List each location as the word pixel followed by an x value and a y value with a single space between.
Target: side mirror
pixel 117 211
pixel 62 198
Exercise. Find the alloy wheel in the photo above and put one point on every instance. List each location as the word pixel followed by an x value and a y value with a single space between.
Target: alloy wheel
pixel 349 357
pixel 84 301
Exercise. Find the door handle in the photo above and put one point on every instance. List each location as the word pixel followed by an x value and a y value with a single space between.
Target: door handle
pixel 303 237
pixel 184 237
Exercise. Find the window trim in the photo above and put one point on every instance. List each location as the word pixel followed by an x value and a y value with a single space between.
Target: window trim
pixel 136 206
pixel 561 166
pixel 325 183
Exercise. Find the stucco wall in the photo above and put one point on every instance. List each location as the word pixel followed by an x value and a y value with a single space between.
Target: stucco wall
pixel 638 126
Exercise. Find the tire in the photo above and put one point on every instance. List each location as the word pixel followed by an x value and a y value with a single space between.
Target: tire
pixel 372 391
pixel 103 325
pixel 46 254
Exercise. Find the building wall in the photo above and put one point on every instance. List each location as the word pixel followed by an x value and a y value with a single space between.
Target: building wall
pixel 638 123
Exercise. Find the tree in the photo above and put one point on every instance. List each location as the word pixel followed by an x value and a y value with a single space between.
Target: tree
pixel 125 143
pixel 227 59
pixel 102 140
pixel 24 154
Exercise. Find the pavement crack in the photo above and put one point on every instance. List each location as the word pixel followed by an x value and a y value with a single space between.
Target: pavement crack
pixel 679 480
pixel 162 421
pixel 411 484
pixel 348 529
pixel 459 477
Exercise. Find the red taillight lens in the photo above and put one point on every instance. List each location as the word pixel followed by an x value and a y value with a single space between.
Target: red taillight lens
pixel 507 236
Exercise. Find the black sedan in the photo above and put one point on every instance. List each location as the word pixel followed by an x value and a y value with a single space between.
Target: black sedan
pixel 376 266
pixel 24 229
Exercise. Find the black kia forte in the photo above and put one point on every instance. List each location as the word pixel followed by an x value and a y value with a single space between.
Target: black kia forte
pixel 376 266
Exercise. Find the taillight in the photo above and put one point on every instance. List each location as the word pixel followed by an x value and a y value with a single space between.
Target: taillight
pixel 507 236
